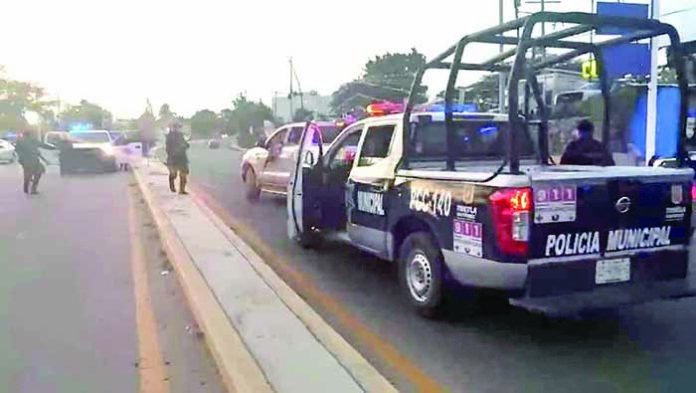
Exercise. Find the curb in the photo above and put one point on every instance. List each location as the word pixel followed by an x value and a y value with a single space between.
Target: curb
pixel 239 370
pixel 364 373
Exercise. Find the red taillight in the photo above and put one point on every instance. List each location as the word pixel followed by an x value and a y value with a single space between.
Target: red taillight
pixel 510 212
pixel 693 192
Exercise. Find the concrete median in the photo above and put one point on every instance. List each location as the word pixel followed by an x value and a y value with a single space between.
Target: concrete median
pixel 263 336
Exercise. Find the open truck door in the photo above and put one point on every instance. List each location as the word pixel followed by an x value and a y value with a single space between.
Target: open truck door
pixel 302 193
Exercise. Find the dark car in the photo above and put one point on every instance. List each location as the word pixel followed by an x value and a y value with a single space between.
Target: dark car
pixel 87 151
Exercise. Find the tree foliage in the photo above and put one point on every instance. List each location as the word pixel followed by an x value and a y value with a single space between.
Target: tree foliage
pixel 387 77
pixel 303 114
pixel 165 111
pixel 204 123
pixel 245 119
pixel 17 98
pixel 85 113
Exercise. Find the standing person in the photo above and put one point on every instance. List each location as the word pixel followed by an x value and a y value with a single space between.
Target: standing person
pixel 30 158
pixel 177 160
pixel 586 150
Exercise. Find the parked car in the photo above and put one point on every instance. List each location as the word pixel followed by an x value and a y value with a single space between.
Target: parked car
pixel 7 152
pixel 267 167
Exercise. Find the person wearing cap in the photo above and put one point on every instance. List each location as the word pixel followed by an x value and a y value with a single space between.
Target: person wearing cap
pixel 30 158
pixel 177 159
pixel 585 150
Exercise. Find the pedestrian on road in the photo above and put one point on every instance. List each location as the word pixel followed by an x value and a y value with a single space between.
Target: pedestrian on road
pixel 30 158
pixel 177 160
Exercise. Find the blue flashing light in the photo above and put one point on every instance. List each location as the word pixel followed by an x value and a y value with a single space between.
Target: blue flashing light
pixel 488 130
pixel 455 108
pixel 77 127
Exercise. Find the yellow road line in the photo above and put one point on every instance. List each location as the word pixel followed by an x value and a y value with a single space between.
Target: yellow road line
pixel 389 355
pixel 153 375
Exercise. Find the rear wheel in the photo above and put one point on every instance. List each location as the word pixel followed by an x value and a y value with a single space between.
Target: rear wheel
pixel 421 273
pixel 309 240
pixel 252 190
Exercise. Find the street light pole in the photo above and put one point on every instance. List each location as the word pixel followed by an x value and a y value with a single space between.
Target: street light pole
pixel 501 74
pixel 651 118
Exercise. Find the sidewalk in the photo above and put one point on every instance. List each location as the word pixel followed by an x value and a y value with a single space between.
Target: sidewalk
pixel 264 336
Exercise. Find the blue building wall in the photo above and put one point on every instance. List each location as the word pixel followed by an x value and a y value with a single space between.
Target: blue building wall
pixel 667 121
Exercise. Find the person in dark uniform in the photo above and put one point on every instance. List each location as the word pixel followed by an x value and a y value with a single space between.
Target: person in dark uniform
pixel 177 159
pixel 586 150
pixel 30 158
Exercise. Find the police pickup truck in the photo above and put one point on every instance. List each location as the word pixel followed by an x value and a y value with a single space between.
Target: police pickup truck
pixel 472 199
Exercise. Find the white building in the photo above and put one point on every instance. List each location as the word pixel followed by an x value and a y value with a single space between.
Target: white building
pixel 284 108
pixel 681 14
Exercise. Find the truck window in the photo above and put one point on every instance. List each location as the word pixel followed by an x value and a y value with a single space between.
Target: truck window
pixel 475 140
pixel 376 144
pixel 344 153
pixel 294 136
pixel 275 143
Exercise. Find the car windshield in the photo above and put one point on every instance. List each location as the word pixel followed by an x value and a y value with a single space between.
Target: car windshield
pixel 475 140
pixel 90 137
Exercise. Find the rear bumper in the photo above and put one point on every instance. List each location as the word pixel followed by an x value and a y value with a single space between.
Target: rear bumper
pixel 610 296
pixel 567 287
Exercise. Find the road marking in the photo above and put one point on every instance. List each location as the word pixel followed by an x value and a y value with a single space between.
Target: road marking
pixel 390 357
pixel 153 375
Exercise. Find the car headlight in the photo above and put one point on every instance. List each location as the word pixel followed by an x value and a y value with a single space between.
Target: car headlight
pixel 108 150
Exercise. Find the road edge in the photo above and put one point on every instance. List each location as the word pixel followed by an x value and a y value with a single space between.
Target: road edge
pixel 367 376
pixel 237 366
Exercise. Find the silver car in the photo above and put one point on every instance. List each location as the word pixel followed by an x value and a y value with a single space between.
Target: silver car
pixel 267 167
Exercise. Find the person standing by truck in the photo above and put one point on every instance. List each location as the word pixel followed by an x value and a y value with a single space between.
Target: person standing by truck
pixel 586 150
pixel 30 158
pixel 177 159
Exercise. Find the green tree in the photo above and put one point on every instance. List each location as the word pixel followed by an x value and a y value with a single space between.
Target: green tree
pixel 17 98
pixel 204 123
pixel 165 111
pixel 86 112
pixel 303 114
pixel 386 77
pixel 245 119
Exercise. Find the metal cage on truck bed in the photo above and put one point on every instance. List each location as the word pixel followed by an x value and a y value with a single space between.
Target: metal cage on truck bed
pixel 522 68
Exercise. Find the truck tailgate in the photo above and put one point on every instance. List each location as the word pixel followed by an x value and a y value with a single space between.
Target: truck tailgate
pixel 596 226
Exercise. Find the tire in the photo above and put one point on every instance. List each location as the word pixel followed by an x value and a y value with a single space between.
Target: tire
pixel 309 240
pixel 421 274
pixel 252 190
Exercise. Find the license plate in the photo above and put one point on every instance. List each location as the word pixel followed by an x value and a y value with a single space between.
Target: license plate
pixel 610 271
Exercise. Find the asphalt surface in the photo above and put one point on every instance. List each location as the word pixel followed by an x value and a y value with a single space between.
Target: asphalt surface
pixel 646 348
pixel 67 301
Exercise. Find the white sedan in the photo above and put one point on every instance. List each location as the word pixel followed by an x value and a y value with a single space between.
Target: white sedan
pixel 7 152
pixel 267 167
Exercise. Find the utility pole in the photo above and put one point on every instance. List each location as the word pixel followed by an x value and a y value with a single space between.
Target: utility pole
pixel 501 74
pixel 543 24
pixel 651 120
pixel 291 96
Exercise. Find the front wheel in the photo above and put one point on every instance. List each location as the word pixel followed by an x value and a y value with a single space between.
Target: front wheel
pixel 252 190
pixel 421 274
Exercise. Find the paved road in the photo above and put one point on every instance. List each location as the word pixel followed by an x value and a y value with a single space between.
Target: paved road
pixel 647 348
pixel 68 315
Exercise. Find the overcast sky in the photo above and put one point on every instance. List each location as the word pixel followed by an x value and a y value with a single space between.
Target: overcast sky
pixel 200 54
